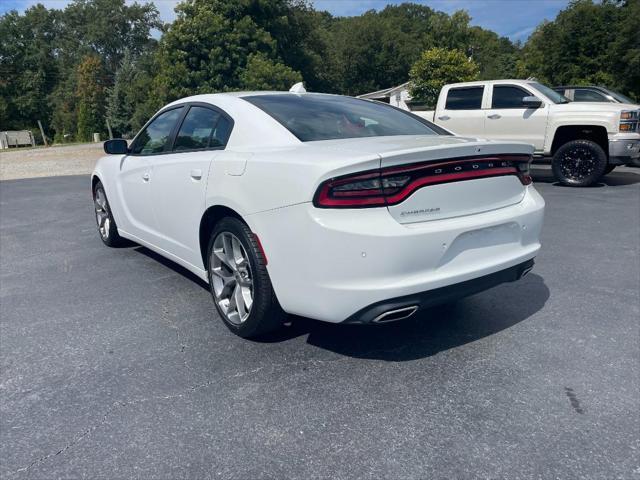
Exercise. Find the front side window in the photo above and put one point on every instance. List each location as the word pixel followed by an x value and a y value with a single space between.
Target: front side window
pixel 506 96
pixel 467 98
pixel 197 129
pixel 155 137
pixel 582 95
pixel 551 94
pixel 312 117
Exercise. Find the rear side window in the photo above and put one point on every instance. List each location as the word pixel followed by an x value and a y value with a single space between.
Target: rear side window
pixel 467 98
pixel 582 95
pixel 505 96
pixel 156 136
pixel 197 129
pixel 220 134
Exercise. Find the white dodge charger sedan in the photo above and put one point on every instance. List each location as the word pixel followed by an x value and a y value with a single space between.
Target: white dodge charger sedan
pixel 323 206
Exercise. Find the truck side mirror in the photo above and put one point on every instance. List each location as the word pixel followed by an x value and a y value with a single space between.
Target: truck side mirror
pixel 531 102
pixel 117 146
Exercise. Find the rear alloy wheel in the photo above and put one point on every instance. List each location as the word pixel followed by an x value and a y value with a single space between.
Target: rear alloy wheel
pixel 107 228
pixel 579 163
pixel 232 278
pixel 239 281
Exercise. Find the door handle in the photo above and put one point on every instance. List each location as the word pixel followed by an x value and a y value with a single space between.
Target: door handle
pixel 196 174
pixel 495 116
pixel 444 117
pixel 146 176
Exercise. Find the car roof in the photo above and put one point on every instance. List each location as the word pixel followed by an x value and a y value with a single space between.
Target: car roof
pixel 595 87
pixel 490 82
pixel 252 126
pixel 250 93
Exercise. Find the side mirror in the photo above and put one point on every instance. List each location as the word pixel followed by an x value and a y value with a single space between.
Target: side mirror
pixel 117 146
pixel 531 102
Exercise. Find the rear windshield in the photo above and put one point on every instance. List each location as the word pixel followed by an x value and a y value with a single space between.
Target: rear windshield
pixel 313 117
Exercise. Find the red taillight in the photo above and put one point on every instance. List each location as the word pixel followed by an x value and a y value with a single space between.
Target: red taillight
pixel 390 186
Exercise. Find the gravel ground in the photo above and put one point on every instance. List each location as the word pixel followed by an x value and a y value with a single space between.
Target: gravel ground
pixel 49 162
pixel 114 363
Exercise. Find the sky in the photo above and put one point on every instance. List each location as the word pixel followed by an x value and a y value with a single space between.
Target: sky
pixel 515 19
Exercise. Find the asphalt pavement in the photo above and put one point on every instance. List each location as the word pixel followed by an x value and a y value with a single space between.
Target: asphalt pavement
pixel 114 363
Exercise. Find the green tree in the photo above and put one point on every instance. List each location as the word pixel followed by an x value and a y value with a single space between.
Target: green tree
pixel 41 50
pixel 262 73
pixel 587 43
pixel 377 49
pixel 625 49
pixel 64 105
pixel 120 102
pixel 28 69
pixel 207 47
pixel 106 28
pixel 496 56
pixel 436 68
pixel 91 98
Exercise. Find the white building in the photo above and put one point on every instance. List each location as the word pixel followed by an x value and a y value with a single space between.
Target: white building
pixel 394 96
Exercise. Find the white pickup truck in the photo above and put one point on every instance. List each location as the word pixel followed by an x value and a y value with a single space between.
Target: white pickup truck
pixel 583 140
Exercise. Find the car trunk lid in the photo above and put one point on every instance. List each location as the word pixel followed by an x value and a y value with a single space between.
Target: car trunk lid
pixel 425 178
pixel 453 180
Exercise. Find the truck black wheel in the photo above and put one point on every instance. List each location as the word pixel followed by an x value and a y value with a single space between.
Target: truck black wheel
pixel 579 163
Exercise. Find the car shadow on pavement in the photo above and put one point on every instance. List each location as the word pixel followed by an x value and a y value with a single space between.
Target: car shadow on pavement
pixel 431 331
pixel 614 179
pixel 172 265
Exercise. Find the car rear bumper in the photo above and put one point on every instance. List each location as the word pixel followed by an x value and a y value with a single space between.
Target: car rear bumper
pixel 403 307
pixel 624 148
pixel 329 264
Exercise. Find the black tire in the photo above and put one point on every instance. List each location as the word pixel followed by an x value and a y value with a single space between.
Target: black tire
pixel 107 228
pixel 610 168
pixel 579 163
pixel 265 314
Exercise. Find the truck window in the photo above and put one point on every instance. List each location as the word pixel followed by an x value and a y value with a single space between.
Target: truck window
pixel 466 98
pixel 507 96
pixel 582 95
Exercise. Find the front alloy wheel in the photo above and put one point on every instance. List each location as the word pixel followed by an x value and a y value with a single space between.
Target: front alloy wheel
pixel 107 228
pixel 102 214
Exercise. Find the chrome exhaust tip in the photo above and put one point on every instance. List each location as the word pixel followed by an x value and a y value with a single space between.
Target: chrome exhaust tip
pixel 395 315
pixel 526 271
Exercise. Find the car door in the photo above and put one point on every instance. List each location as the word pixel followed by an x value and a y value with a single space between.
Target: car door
pixel 509 119
pixel 180 180
pixel 135 175
pixel 462 112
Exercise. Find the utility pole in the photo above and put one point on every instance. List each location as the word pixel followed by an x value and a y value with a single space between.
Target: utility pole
pixel 44 137
pixel 109 128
